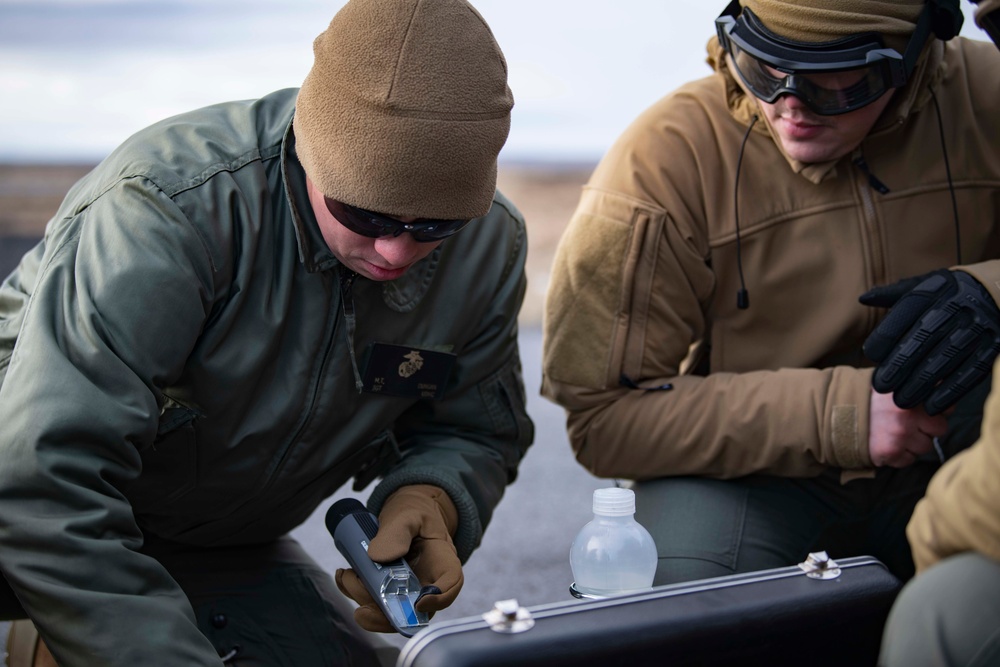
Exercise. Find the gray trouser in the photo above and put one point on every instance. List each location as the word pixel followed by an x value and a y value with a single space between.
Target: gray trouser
pixel 708 528
pixel 947 616
pixel 267 605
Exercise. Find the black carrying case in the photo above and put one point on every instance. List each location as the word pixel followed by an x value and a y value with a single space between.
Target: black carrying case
pixel 773 617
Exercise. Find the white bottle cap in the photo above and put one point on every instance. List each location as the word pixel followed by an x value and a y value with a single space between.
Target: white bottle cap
pixel 614 502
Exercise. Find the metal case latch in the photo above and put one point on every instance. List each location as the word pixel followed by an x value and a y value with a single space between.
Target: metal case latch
pixel 508 617
pixel 818 565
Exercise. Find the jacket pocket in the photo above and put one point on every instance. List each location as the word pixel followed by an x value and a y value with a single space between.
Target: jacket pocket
pixel 505 401
pixel 601 280
pixel 170 465
pixel 374 459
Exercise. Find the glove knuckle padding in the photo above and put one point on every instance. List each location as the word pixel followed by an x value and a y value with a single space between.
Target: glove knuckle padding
pixel 908 299
pixel 937 342
pixel 977 367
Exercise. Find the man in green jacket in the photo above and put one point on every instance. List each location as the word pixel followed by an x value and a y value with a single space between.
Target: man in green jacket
pixel 703 328
pixel 235 313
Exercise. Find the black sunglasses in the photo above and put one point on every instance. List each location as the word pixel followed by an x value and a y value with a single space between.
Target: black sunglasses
pixel 375 225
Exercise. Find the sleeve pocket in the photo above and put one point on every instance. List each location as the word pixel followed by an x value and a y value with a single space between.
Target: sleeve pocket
pixel 170 464
pixel 504 398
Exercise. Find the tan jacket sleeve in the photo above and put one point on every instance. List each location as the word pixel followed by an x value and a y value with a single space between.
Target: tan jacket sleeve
pixel 626 299
pixel 961 510
pixel 984 7
pixel 987 273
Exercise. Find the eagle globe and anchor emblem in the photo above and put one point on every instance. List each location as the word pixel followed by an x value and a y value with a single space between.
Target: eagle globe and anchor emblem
pixel 414 362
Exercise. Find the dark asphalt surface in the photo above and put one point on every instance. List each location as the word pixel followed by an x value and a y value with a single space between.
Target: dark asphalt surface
pixel 525 552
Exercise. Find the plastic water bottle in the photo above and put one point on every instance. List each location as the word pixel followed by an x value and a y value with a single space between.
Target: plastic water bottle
pixel 613 554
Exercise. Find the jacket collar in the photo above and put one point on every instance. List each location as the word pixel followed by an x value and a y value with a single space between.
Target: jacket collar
pixel 313 250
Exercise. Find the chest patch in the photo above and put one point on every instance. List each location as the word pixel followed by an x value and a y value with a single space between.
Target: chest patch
pixel 409 372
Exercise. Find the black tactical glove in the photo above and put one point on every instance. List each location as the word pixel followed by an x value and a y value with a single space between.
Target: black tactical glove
pixel 938 341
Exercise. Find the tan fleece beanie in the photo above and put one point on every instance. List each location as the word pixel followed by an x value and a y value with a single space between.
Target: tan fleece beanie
pixel 826 20
pixel 405 109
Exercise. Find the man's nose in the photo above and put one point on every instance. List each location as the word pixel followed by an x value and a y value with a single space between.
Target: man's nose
pixel 398 250
pixel 792 101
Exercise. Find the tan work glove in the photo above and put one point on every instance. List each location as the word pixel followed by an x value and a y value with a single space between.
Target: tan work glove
pixel 416 523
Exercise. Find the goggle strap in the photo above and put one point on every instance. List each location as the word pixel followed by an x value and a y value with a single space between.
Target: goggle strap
pixel 916 45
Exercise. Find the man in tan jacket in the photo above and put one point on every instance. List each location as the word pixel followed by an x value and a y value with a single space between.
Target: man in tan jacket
pixel 703 327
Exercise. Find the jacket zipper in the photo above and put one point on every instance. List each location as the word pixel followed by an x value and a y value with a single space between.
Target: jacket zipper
pixel 873 181
pixel 866 183
pixel 347 300
pixel 275 469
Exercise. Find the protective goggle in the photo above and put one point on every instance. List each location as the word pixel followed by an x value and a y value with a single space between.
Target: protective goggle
pixel 831 77
pixel 375 225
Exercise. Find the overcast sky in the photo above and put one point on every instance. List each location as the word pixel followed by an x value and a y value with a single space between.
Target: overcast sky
pixel 79 76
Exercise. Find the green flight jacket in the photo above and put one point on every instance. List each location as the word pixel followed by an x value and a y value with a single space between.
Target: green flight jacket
pixel 180 356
